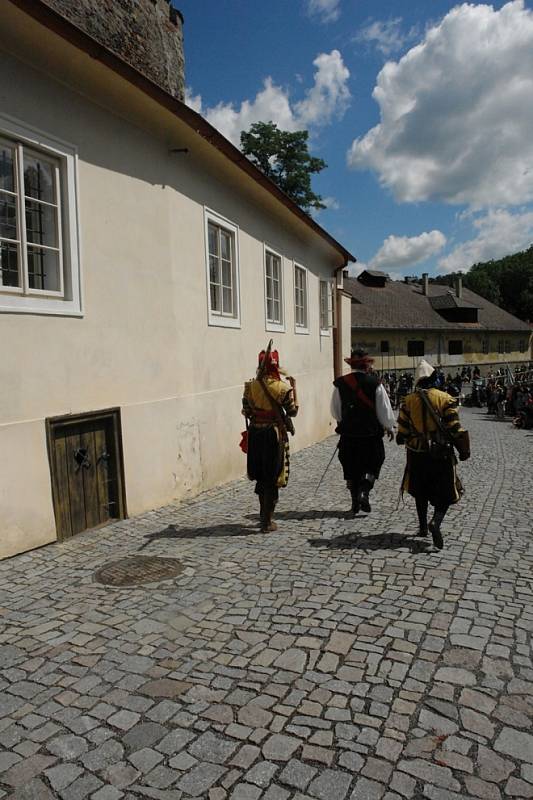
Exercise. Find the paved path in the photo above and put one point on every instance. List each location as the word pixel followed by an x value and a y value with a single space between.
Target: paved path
pixel 335 659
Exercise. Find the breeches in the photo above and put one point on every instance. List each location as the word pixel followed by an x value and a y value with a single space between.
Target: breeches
pixel 360 456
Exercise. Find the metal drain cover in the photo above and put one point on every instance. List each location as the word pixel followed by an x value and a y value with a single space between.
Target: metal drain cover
pixel 135 570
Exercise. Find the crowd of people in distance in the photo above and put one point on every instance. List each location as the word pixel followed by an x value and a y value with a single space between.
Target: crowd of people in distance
pixel 399 386
pixel 503 392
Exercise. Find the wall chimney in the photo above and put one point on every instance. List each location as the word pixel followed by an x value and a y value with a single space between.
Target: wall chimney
pixel 425 283
pixel 148 34
pixel 459 286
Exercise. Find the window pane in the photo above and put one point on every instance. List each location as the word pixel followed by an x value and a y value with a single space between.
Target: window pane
pixel 227 301
pixel 276 311
pixel 7 168
pixel 213 240
pixel 225 245
pixel 8 216
pixel 214 275
pixel 9 267
pixel 38 179
pixel 269 265
pixel 43 269
pixel 215 297
pixel 270 310
pixel 226 273
pixel 41 225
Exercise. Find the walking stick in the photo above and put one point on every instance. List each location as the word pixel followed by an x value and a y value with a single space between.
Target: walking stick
pixel 328 466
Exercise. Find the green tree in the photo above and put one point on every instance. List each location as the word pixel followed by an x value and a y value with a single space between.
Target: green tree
pixel 283 156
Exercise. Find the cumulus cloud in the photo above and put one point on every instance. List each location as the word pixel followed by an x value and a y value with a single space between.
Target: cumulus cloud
pixel 327 99
pixel 397 252
pixel 456 112
pixel 499 233
pixel 324 10
pixel 386 35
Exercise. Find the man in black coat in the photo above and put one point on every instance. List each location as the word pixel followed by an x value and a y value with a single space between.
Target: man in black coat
pixel 363 411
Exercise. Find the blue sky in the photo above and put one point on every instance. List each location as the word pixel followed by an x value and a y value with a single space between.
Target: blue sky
pixel 421 109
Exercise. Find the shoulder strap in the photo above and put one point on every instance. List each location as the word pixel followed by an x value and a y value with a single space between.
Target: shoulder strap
pixel 275 407
pixel 352 382
pixel 425 399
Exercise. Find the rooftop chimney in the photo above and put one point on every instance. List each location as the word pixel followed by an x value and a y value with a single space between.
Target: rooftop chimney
pixel 425 283
pixel 148 34
pixel 459 286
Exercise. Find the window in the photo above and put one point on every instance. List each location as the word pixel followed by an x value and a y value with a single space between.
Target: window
pixel 384 346
pixel 273 290
pixel 223 274
pixel 300 299
pixel 485 346
pixel 500 346
pixel 39 255
pixel 522 346
pixel 415 347
pixel 455 347
pixel 507 346
pixel 326 307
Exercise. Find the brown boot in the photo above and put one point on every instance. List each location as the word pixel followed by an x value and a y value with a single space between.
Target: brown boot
pixel 269 504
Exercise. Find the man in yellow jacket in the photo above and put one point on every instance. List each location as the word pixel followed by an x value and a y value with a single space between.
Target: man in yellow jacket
pixel 429 426
pixel 268 404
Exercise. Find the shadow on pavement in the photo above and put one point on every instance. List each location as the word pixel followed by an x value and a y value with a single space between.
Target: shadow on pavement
pixel 385 541
pixel 224 529
pixel 324 514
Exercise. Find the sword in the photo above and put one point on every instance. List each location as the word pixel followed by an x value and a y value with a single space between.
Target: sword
pixel 328 466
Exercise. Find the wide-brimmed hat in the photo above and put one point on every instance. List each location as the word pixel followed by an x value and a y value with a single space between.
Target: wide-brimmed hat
pixel 423 370
pixel 359 359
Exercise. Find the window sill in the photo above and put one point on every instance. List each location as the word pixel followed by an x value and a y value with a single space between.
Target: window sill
pixel 17 304
pixel 325 333
pixel 224 322
pixel 275 327
pixel 297 329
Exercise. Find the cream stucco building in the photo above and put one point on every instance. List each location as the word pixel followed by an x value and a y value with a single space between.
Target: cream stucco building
pixel 400 322
pixel 144 263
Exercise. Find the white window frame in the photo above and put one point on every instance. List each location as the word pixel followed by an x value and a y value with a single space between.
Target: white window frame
pixel 270 325
pixel 329 306
pixel 305 327
pixel 216 318
pixel 69 300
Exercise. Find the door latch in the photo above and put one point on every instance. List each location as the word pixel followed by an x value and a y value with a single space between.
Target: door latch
pixel 81 457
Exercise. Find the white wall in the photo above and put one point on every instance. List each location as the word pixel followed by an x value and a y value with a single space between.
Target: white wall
pixel 143 342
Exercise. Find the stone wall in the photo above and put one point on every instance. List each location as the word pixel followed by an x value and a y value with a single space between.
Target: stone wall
pixel 148 34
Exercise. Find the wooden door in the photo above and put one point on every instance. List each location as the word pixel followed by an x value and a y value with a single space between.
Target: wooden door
pixel 86 467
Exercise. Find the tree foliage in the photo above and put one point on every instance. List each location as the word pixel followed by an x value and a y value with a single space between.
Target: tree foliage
pixel 283 156
pixel 507 282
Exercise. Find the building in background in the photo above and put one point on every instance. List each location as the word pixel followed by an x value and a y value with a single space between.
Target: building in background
pixel 399 322
pixel 144 262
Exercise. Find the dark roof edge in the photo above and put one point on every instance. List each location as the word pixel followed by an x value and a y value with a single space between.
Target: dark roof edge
pixel 67 30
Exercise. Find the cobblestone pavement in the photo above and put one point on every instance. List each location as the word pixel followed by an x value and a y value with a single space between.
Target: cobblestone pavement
pixel 337 658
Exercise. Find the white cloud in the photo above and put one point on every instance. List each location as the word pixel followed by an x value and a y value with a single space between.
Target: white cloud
pixel 327 99
pixel 398 252
pixel 194 101
pixel 500 233
pixel 456 112
pixel 387 36
pixel 325 10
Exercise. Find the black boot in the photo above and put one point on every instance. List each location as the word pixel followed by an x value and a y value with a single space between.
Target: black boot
pixel 365 488
pixel 422 512
pixel 434 527
pixel 353 493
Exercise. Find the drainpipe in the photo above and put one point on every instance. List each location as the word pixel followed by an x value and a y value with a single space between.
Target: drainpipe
pixel 338 275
